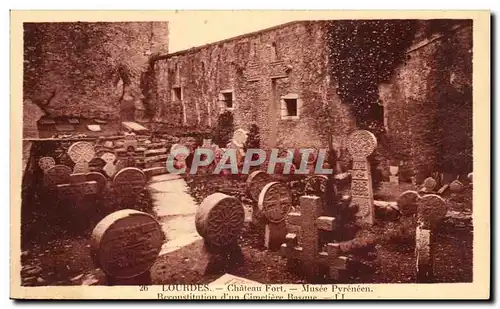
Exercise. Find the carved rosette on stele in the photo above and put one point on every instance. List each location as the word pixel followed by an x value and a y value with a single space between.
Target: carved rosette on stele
pixel 361 144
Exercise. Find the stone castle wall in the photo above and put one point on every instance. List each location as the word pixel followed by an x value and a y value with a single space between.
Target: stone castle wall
pixel 260 69
pixel 89 69
pixel 428 105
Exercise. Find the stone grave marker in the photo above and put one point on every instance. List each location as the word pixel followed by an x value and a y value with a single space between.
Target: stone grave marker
pixel 316 185
pixel 46 162
pixel 56 175
pixel 304 247
pixel 126 244
pixel 407 203
pixel 456 186
pixel 81 168
pixel 470 177
pixel 219 220
pixel 81 153
pixel 393 178
pixel 274 203
pixel 120 164
pixel 77 188
pixel 429 184
pixel 255 182
pixel 109 168
pixel 129 181
pixel 361 144
pixel 431 210
pixel 99 178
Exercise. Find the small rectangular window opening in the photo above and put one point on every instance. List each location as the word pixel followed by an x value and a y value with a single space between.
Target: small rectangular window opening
pixel 291 107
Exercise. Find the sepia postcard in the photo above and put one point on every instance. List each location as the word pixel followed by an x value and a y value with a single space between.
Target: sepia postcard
pixel 250 155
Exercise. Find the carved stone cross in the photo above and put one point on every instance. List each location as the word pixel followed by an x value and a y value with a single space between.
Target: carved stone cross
pixel 306 248
pixel 361 144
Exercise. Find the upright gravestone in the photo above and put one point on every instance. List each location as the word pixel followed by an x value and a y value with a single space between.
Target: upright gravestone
pixel 99 178
pixel 81 153
pixel 255 182
pixel 275 202
pixel 129 182
pixel 431 210
pixel 125 245
pixel 77 188
pixel 429 184
pixel 46 162
pixel 361 144
pixel 109 168
pixel 56 175
pixel 219 220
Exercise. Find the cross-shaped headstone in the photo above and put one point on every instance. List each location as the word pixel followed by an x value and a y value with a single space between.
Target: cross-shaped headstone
pixel 77 188
pixel 81 153
pixel 306 248
pixel 361 144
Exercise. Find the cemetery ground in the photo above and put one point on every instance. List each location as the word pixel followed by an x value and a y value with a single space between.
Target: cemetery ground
pixel 58 250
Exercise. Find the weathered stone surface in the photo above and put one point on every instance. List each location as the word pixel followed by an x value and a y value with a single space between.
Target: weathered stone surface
pixel 430 184
pixel 307 249
pixel 431 125
pixel 129 181
pixel 219 219
pixel 82 68
pixel 255 182
pixel 275 201
pixel 255 78
pixel 56 175
pixel 126 243
pixel 99 178
pixel 81 152
pixel 46 162
pixel 361 144
pixel 431 209
pixel 407 203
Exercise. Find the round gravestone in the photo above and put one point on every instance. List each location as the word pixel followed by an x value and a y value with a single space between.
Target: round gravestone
pixel 219 219
pixel 46 162
pixel 99 178
pixel 470 177
pixel 407 202
pixel 275 201
pixel 81 152
pixel 430 183
pixel 316 185
pixel 255 182
pixel 361 144
pixel 126 243
pixel 432 208
pixel 56 175
pixel 129 181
